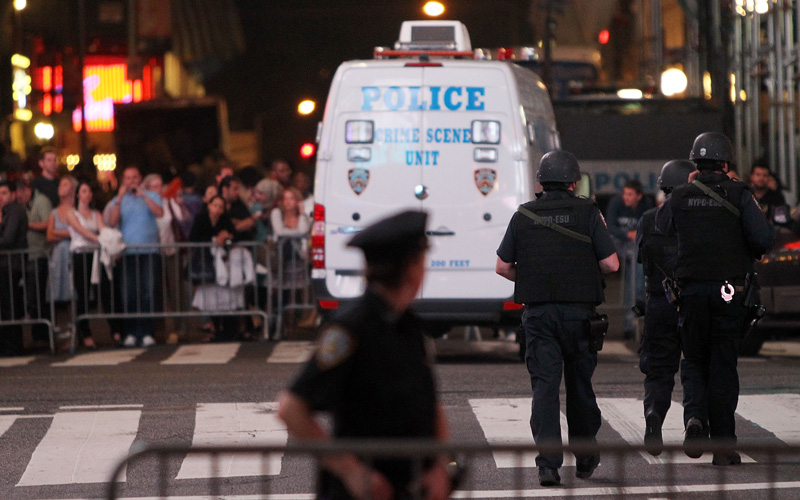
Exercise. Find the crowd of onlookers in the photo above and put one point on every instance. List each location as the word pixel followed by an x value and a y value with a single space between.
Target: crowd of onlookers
pixel 59 245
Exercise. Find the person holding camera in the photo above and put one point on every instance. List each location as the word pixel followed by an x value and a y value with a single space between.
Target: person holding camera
pixel 135 211
pixel 721 231
pixel 556 250
pixel 660 352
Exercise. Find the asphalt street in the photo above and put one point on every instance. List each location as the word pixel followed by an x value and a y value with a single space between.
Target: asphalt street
pixel 67 420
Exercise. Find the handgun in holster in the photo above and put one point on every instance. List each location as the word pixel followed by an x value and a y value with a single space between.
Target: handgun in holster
pixel 755 311
pixel 596 329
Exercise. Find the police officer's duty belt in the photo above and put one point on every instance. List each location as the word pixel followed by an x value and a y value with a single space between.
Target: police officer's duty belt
pixel 719 199
pixel 555 227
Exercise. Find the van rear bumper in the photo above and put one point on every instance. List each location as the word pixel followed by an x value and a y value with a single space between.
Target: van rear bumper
pixel 483 312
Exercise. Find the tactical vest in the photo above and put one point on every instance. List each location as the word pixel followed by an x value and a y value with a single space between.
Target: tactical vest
pixel 553 267
pixel 711 240
pixel 659 253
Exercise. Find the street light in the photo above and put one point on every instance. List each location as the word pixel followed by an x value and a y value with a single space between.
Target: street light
pixel 433 9
pixel 44 131
pixel 20 4
pixel 306 107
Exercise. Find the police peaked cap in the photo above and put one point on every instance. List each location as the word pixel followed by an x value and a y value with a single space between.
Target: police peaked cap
pixel 393 239
pixel 558 166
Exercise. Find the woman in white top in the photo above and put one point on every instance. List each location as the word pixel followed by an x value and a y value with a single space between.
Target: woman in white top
pixel 84 224
pixel 290 228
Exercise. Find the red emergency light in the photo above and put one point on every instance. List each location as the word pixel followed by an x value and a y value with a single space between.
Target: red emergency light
pixel 603 37
pixel 307 150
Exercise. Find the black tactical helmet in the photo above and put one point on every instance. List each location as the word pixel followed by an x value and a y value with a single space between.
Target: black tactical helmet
pixel 675 173
pixel 712 146
pixel 558 166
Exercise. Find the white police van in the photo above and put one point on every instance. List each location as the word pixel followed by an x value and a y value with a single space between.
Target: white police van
pixel 427 126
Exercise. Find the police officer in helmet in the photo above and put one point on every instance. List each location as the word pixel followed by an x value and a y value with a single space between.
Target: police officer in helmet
pixel 721 231
pixel 661 348
pixel 556 249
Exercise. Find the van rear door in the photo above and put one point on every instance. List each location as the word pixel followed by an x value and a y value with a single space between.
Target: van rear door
pixel 367 176
pixel 473 172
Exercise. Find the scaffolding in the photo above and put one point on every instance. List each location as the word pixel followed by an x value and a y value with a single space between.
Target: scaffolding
pixel 765 85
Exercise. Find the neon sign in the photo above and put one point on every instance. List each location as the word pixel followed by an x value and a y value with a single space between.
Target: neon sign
pixel 104 85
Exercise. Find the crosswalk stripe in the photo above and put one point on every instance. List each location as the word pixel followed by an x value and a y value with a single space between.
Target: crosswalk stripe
pixel 235 424
pixel 82 447
pixel 17 361
pixel 778 413
pixel 626 417
pixel 102 358
pixel 507 421
pixel 298 351
pixel 203 354
pixel 6 421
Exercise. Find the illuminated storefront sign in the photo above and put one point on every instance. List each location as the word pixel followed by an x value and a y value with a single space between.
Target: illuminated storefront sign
pixel 104 85
pixel 21 87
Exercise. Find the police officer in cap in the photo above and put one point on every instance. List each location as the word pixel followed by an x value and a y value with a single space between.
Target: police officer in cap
pixel 555 250
pixel 371 369
pixel 660 353
pixel 721 231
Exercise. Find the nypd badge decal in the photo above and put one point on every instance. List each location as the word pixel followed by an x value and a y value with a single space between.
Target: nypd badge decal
pixel 359 177
pixel 485 179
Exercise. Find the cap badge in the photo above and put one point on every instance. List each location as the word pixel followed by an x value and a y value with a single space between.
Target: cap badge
pixel 359 177
pixel 702 151
pixel 485 179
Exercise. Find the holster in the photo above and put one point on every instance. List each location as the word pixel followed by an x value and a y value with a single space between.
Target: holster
pixel 751 288
pixel 596 329
pixel 755 311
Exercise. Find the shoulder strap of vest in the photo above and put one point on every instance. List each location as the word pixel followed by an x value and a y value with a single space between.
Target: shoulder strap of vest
pixel 555 227
pixel 719 199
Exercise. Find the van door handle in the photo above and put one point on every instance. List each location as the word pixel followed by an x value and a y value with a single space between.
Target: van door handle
pixel 441 232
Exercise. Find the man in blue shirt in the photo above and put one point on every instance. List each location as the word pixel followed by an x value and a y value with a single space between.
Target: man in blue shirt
pixel 622 217
pixel 135 211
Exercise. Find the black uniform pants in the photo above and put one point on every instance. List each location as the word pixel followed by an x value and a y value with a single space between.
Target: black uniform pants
pixel 710 330
pixel 557 342
pixel 661 353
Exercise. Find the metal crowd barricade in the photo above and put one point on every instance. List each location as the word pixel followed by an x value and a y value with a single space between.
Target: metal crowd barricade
pixel 179 269
pixel 619 476
pixel 292 283
pixel 21 279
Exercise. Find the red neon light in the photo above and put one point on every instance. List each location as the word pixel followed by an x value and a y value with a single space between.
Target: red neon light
pixel 47 105
pixel 58 106
pixel 47 78
pixel 147 83
pixel 59 78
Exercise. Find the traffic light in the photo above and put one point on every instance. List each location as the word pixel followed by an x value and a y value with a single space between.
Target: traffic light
pixel 307 150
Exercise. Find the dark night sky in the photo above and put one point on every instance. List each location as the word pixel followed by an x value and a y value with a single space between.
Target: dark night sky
pixel 294 47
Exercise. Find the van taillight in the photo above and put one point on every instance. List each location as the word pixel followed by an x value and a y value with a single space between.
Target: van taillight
pixel 512 306
pixel 318 238
pixel 795 245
